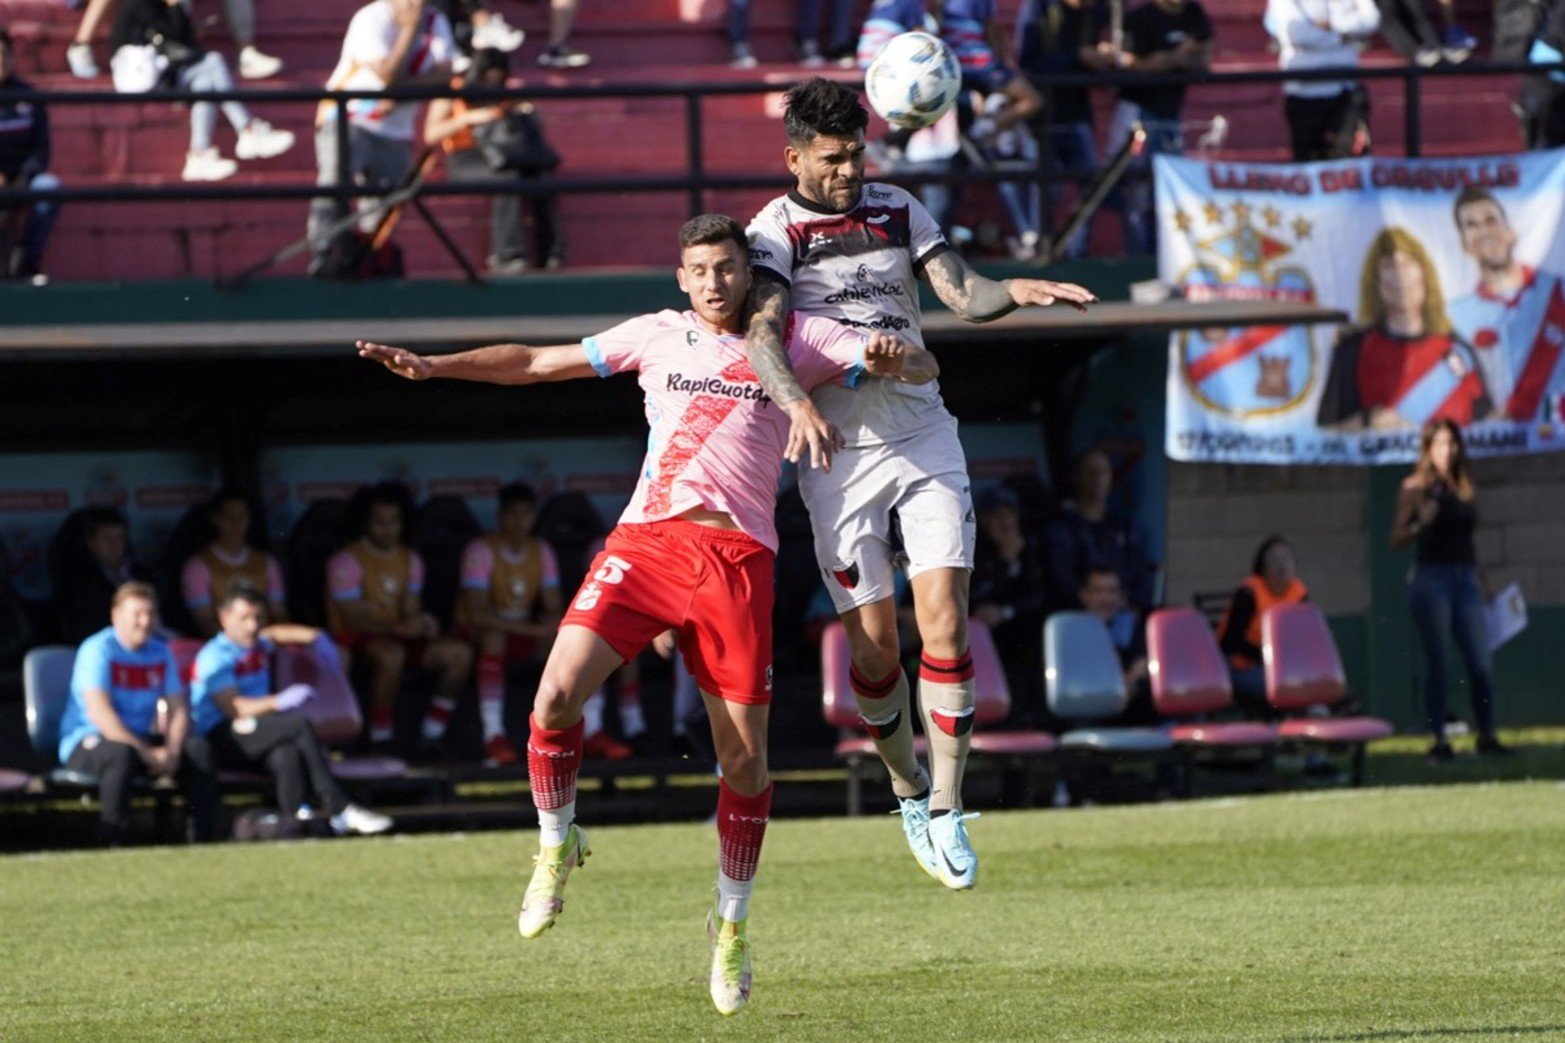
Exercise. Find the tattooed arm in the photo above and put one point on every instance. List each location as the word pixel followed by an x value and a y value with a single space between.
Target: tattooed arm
pixel 977 299
pixel 768 310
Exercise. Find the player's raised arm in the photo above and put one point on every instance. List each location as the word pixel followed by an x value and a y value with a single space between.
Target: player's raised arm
pixel 891 358
pixel 763 340
pixel 496 364
pixel 977 299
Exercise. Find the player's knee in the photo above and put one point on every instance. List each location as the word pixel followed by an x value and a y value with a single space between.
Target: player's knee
pixel 453 657
pixel 491 643
pixel 944 631
pixel 553 706
pixel 744 769
pixel 387 657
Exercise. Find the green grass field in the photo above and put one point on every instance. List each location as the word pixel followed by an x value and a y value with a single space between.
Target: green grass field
pixel 1430 913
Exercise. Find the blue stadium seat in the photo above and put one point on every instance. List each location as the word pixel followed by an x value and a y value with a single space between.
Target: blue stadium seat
pixel 46 687
pixel 1085 683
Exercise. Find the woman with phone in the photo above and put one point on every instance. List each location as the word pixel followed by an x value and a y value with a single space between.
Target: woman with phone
pixel 1437 511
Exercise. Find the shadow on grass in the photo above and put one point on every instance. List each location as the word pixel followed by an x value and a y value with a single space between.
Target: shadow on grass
pixel 1440 1033
pixel 1539 753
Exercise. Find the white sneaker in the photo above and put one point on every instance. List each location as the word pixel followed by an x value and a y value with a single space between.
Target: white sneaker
pixel 79 57
pixel 255 65
pixel 261 140
pixel 497 34
pixel 957 863
pixel 359 820
pixel 207 165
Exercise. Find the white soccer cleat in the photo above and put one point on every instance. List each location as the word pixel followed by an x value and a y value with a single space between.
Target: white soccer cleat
pixel 360 821
pixel 915 826
pixel 545 895
pixel 207 165
pixel 956 863
pixel 254 64
pixel 261 140
pixel 731 971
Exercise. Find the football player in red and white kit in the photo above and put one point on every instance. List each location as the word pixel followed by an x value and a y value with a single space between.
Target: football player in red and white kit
pixel 835 246
pixel 692 552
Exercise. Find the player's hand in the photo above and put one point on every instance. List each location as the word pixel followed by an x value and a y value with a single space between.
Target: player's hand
pixel 883 355
pixel 158 759
pixel 405 12
pixel 1042 292
pixel 401 361
pixel 813 432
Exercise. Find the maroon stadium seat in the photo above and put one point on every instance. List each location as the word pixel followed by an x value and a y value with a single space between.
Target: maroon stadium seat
pixel 1189 678
pixel 334 712
pixel 1303 670
pixel 991 703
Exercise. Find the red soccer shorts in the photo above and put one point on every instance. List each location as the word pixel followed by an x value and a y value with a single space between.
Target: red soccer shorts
pixel 714 586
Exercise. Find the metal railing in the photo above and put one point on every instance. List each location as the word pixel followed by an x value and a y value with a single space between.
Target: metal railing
pixel 696 179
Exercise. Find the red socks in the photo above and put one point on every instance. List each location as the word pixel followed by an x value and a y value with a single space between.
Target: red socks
pixel 553 759
pixel 741 826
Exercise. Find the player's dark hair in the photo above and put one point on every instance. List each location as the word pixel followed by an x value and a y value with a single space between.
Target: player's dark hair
pixel 1098 568
pixel 819 106
pixel 704 229
pixel 394 493
pixel 241 592
pixel 5 36
pixel 1258 563
pixel 96 519
pixel 1470 195
pixel 227 494
pixel 485 59
pixel 517 492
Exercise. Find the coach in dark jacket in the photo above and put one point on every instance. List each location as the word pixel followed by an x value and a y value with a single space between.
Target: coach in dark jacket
pixel 24 160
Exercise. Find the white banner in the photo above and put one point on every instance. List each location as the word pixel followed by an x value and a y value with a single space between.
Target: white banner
pixel 1448 270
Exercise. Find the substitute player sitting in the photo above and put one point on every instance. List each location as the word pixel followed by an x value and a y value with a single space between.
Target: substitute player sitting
pixel 243 720
pixel 510 605
pixel 693 552
pixel 229 560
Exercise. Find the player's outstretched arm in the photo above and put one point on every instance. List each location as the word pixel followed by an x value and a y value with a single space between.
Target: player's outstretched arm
pixel 763 340
pixel 977 299
pixel 891 358
pixel 496 364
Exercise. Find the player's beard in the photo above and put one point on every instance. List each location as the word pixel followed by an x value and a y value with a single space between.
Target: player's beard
pixel 837 201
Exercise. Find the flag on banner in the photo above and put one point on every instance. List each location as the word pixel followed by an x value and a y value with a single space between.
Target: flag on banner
pixel 1448 270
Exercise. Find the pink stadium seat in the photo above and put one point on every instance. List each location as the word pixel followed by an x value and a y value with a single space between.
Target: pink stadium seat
pixel 1189 677
pixel 1304 670
pixel 991 703
pixel 334 712
pixel 13 781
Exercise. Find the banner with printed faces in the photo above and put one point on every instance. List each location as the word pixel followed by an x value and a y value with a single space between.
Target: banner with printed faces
pixel 1450 273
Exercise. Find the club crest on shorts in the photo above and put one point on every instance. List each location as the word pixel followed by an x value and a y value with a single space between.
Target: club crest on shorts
pixel 846 573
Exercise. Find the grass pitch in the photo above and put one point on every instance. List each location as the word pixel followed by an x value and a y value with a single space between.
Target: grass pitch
pixel 1430 913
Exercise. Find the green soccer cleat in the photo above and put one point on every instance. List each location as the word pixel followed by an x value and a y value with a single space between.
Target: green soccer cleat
pixel 730 963
pixel 552 866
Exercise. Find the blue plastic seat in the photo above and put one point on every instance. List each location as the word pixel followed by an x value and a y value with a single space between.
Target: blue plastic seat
pixel 1086 683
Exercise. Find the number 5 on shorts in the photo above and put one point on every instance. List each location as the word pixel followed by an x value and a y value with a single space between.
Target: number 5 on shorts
pixel 611 572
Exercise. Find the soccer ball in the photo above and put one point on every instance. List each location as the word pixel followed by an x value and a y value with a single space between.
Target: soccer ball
pixel 913 81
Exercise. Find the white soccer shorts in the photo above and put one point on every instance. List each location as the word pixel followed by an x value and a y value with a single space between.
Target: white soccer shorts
pixel 923 479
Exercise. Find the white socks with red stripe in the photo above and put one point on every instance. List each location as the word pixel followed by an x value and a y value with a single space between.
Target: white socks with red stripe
pixel 945 695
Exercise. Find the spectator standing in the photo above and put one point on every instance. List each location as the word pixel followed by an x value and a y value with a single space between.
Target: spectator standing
pixel 253 63
pixel 1273 581
pixel 560 54
pixel 24 163
pixel 1009 596
pixel 227 561
pixel 1542 100
pixel 1327 119
pixel 160 31
pixel 1407 28
pixel 1437 511
pixel 240 721
pixel 389 43
pixel 374 608
pixel 109 728
pixel 1065 36
pixel 840 39
pixel 88 573
pixel 1087 533
pixel 510 606
pixel 1160 36
pixel 454 125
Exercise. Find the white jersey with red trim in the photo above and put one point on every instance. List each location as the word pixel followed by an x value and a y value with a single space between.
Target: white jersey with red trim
pixel 1517 341
pixel 860 269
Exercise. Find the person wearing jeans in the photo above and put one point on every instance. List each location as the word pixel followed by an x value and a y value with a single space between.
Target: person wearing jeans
pixel 1437 511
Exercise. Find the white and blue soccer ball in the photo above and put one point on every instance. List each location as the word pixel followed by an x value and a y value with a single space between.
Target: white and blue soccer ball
pixel 913 81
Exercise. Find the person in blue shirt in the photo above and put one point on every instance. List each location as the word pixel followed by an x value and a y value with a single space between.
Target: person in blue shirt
pixel 242 721
pixel 109 727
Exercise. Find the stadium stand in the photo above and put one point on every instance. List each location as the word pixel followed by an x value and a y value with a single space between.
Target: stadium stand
pixel 129 143
pixel 1304 671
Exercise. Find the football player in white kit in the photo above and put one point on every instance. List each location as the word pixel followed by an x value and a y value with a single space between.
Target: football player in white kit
pixel 835 246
